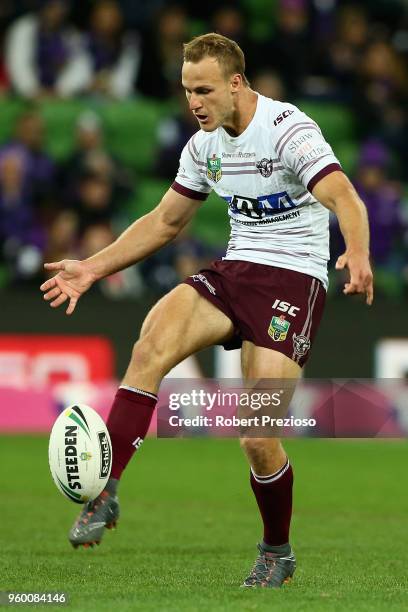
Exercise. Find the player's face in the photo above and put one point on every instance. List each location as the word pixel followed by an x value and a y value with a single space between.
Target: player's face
pixel 210 94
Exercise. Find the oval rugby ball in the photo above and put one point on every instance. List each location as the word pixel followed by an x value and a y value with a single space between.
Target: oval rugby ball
pixel 80 453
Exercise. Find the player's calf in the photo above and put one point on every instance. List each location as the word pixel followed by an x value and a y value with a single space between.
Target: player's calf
pixel 147 366
pixel 265 455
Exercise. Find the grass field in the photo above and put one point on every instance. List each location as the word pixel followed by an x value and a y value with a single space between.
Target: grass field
pixel 189 526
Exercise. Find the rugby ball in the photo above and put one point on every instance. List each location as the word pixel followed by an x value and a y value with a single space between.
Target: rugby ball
pixel 80 453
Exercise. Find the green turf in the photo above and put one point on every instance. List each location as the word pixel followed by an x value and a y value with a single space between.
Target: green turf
pixel 189 527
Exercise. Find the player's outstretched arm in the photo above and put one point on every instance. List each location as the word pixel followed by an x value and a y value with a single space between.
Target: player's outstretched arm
pixel 337 193
pixel 144 237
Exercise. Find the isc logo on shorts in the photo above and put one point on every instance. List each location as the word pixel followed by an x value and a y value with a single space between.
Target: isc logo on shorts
pixel 285 307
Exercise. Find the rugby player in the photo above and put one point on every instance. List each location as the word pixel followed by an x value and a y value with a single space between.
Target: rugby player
pixel 279 179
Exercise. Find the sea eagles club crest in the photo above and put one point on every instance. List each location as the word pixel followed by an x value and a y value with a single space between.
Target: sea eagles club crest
pixel 265 167
pixel 301 344
pixel 214 171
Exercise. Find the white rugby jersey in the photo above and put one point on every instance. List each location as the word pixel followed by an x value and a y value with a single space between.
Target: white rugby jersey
pixel 266 175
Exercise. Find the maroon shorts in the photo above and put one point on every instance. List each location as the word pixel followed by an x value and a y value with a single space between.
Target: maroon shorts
pixel 272 307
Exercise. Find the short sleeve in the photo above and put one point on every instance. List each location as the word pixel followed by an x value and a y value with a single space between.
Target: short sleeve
pixel 190 180
pixel 302 148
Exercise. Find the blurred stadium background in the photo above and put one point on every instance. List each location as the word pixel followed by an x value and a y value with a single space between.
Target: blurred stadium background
pixel 92 123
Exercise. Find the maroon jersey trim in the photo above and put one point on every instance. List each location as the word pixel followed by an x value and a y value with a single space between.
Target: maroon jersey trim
pixel 320 175
pixel 189 193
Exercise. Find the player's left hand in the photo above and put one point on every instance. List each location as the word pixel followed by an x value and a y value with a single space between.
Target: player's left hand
pixel 361 276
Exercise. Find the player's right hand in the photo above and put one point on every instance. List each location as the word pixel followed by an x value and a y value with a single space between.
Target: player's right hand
pixel 361 276
pixel 73 278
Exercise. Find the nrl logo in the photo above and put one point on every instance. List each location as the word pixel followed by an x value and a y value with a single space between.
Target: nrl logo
pixel 214 171
pixel 265 167
pixel 301 344
pixel 278 328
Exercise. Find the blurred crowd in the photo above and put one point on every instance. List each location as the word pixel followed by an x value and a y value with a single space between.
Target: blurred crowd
pixel 352 54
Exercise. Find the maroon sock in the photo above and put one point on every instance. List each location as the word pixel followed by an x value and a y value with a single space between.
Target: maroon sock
pixel 128 422
pixel 274 496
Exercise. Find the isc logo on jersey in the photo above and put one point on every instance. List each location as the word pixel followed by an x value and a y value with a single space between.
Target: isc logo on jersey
pixel 80 453
pixel 283 116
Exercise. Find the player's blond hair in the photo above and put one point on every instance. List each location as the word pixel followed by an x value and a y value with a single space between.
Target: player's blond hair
pixel 226 51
